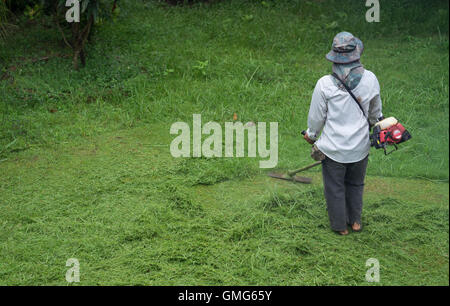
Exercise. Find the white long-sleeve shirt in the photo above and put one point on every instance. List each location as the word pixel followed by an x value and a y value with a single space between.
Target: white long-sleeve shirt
pixel 345 131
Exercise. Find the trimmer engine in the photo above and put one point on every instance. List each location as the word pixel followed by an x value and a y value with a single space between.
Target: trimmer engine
pixel 388 132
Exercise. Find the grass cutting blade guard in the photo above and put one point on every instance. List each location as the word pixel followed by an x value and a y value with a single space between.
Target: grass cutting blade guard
pixel 388 132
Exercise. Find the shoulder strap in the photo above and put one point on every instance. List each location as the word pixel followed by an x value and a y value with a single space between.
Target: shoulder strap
pixel 353 96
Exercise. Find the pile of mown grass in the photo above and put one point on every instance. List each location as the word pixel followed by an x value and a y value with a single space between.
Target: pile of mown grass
pixel 131 215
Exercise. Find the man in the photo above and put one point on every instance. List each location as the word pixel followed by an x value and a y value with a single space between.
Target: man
pixel 344 140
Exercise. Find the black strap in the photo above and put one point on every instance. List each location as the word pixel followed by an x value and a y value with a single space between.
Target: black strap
pixel 353 96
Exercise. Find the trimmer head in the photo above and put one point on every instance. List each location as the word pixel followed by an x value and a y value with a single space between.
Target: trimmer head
pixel 294 178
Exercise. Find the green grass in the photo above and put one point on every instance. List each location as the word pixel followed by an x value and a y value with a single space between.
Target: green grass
pixel 95 179
pixel 132 215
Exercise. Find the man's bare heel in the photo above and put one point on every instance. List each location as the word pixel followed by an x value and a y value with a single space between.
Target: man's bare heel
pixel 343 233
pixel 356 227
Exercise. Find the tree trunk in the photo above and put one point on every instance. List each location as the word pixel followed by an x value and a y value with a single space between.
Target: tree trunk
pixel 79 38
pixel 82 57
pixel 79 41
pixel 75 44
pixel 76 54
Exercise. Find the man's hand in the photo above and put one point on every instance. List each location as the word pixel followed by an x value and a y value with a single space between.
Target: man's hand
pixel 305 137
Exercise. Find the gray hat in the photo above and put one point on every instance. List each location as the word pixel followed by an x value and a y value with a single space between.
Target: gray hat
pixel 346 48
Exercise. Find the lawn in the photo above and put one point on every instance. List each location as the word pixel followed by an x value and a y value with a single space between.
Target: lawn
pixel 86 170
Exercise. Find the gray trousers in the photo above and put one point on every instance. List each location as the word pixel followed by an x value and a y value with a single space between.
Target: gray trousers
pixel 343 187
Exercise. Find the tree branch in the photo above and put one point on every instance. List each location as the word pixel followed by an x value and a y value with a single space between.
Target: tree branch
pixel 60 30
pixel 86 31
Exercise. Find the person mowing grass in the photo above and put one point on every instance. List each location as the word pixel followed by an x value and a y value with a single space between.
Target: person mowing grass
pixel 343 107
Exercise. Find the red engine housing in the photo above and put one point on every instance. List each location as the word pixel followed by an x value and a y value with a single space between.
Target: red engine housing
pixel 393 134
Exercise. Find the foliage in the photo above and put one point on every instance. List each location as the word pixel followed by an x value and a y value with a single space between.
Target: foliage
pixel 3 19
pixel 91 12
pixel 18 6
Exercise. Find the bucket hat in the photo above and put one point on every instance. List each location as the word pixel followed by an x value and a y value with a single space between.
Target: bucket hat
pixel 346 48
